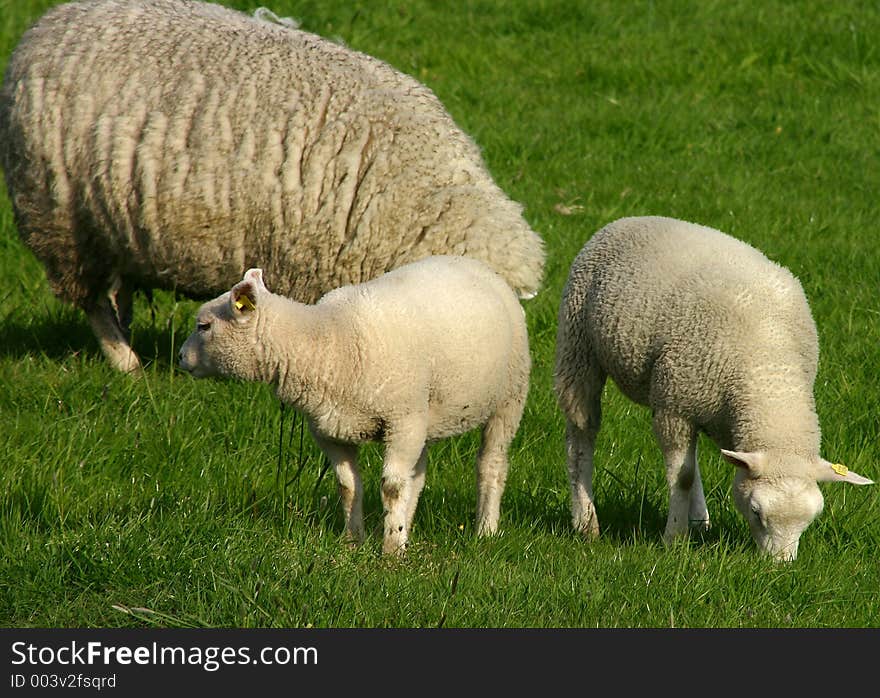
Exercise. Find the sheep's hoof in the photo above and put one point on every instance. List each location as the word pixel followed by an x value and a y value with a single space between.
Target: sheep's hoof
pixel 124 361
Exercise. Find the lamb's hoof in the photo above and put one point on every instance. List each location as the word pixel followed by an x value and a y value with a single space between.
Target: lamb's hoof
pixel 393 548
pixel 484 530
pixel 353 543
pixel 674 537
pixel 699 526
pixel 588 528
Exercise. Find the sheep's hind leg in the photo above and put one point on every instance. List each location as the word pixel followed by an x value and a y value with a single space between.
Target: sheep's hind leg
pixel 492 465
pixel 579 446
pixel 400 493
pixel 110 332
pixel 583 407
pixel 343 458
pixel 418 483
pixel 678 441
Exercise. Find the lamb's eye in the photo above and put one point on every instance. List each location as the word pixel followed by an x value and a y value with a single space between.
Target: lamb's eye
pixel 203 326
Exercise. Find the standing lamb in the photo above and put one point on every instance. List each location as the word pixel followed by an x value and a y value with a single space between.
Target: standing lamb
pixel 432 349
pixel 713 337
pixel 174 144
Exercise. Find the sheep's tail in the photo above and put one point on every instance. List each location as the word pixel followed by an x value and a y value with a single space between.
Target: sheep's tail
pixel 521 263
pixel 503 239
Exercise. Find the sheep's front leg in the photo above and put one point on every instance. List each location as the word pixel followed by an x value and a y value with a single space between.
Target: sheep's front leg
pixel 403 453
pixel 678 441
pixel 122 301
pixel 343 457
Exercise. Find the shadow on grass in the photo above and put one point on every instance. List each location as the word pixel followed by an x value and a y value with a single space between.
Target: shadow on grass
pixel 57 338
pixel 623 519
pixel 622 525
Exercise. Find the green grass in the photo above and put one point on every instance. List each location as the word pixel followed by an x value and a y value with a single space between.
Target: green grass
pixel 163 502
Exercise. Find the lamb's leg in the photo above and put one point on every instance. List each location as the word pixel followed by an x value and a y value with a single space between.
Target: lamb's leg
pixel 403 450
pixel 698 512
pixel 579 445
pixel 678 442
pixel 111 335
pixel 343 457
pixel 583 408
pixel 418 483
pixel 492 464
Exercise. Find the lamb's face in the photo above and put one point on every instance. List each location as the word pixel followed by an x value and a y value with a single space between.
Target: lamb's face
pixel 778 510
pixel 777 493
pixel 222 343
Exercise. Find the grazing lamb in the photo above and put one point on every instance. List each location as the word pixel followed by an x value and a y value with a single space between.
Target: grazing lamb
pixel 714 337
pixel 431 349
pixel 174 144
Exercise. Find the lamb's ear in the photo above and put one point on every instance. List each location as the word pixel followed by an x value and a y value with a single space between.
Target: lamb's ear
pixel 243 298
pixel 256 275
pixel 752 461
pixel 835 472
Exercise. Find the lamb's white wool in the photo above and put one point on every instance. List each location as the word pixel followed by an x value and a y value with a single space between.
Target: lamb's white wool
pixel 714 337
pixel 432 349
pixel 174 144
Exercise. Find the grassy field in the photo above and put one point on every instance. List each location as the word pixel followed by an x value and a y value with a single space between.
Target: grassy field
pixel 167 501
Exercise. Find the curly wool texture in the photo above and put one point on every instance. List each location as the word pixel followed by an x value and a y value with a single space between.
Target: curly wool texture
pixel 429 350
pixel 175 144
pixel 693 322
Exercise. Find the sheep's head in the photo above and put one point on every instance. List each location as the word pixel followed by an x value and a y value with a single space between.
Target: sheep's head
pixel 778 495
pixel 223 341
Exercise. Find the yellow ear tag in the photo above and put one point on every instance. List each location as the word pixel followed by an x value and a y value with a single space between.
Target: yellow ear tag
pixel 841 470
pixel 244 302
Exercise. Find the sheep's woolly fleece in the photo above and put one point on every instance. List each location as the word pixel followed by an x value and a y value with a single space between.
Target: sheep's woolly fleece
pixel 171 144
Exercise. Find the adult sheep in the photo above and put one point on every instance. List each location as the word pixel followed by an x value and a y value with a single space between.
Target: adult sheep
pixel 714 337
pixel 172 144
pixel 429 350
